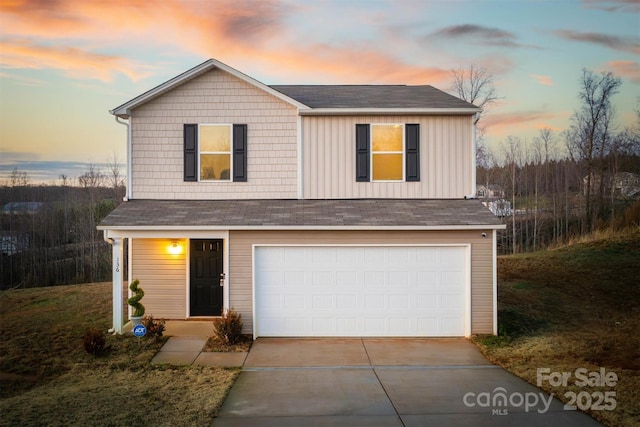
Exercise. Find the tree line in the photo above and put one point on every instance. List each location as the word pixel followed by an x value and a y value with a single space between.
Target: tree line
pixel 48 232
pixel 560 185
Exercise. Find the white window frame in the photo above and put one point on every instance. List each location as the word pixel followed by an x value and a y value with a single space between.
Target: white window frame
pixel 403 152
pixel 230 152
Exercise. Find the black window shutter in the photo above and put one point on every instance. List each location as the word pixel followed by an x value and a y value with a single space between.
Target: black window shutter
pixel 362 153
pixel 412 155
pixel 190 136
pixel 240 153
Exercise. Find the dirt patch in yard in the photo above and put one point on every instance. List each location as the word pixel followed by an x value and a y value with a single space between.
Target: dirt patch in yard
pixel 214 345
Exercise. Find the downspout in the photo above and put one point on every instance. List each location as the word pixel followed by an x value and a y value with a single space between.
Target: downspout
pixel 473 158
pixel 128 193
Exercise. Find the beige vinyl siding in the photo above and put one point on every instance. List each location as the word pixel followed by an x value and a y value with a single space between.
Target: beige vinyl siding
pixel 163 277
pixel 241 263
pixel 329 158
pixel 214 97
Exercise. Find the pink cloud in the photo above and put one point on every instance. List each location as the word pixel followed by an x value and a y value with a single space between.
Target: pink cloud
pixel 229 30
pixel 543 80
pixel 74 62
pixel 500 124
pixel 627 69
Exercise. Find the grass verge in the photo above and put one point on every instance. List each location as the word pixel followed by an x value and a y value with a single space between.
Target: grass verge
pixel 573 307
pixel 47 378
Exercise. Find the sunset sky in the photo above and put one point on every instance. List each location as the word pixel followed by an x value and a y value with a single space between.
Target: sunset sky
pixel 65 63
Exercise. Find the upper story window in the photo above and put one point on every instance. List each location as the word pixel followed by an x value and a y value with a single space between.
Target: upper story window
pixel 387 152
pixel 215 152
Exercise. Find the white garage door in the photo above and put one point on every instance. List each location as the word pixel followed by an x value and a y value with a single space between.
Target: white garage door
pixel 360 291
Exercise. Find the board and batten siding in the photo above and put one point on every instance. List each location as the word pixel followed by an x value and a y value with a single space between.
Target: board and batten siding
pixel 241 262
pixel 329 158
pixel 214 97
pixel 162 276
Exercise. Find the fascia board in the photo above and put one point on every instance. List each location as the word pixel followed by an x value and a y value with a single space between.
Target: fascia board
pixel 387 111
pixel 177 228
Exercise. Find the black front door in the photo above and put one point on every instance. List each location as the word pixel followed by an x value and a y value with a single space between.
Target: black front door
pixel 206 272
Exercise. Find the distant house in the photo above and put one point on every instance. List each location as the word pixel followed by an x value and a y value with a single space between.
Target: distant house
pixel 625 184
pixel 21 208
pixel 492 191
pixel 12 242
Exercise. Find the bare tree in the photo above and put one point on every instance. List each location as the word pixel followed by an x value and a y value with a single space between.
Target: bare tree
pixel 19 178
pixel 92 178
pixel 590 132
pixel 115 178
pixel 475 84
pixel 512 156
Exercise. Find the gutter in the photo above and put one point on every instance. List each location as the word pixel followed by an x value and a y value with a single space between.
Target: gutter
pixel 128 193
pixel 387 111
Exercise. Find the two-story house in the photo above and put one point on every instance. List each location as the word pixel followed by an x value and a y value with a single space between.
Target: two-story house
pixel 311 210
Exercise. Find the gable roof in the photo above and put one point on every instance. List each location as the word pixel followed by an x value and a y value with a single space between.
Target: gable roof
pixel 124 110
pixel 323 99
pixel 420 214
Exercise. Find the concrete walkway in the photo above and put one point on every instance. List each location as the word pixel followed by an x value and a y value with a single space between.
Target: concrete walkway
pixel 184 347
pixel 383 382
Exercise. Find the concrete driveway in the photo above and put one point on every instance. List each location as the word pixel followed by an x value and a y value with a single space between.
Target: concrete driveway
pixel 383 382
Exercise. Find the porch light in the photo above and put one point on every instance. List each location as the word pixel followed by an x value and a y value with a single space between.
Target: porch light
pixel 175 248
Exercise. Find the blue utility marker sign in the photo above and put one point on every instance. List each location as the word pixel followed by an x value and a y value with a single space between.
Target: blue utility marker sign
pixel 139 330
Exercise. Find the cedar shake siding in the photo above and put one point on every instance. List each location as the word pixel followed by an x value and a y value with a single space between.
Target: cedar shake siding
pixel 214 97
pixel 329 158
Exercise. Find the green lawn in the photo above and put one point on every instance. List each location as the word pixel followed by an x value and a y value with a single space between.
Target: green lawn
pixel 569 308
pixel 49 379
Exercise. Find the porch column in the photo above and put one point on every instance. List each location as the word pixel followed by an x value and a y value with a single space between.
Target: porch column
pixel 117 265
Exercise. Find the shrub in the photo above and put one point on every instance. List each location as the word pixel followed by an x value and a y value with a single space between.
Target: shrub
pixel 228 328
pixel 134 301
pixel 155 327
pixel 94 341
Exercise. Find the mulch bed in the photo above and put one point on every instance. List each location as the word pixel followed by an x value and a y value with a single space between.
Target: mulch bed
pixel 215 345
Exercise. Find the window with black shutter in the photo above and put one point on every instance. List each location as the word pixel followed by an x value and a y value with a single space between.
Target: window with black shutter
pixel 240 153
pixel 190 152
pixel 387 152
pixel 412 152
pixel 215 152
pixel 362 153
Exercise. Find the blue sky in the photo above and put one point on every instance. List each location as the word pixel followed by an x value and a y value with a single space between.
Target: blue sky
pixel 65 63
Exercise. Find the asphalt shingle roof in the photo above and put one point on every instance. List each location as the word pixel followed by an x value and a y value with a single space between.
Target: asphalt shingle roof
pixel 371 96
pixel 292 213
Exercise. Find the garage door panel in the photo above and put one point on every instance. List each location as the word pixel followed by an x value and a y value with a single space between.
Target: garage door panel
pixel 398 279
pixel 398 325
pixel 323 302
pixel 346 302
pixel 360 291
pixel 450 325
pixel 373 256
pixel 399 302
pixel 347 279
pixel 292 256
pixel 425 302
